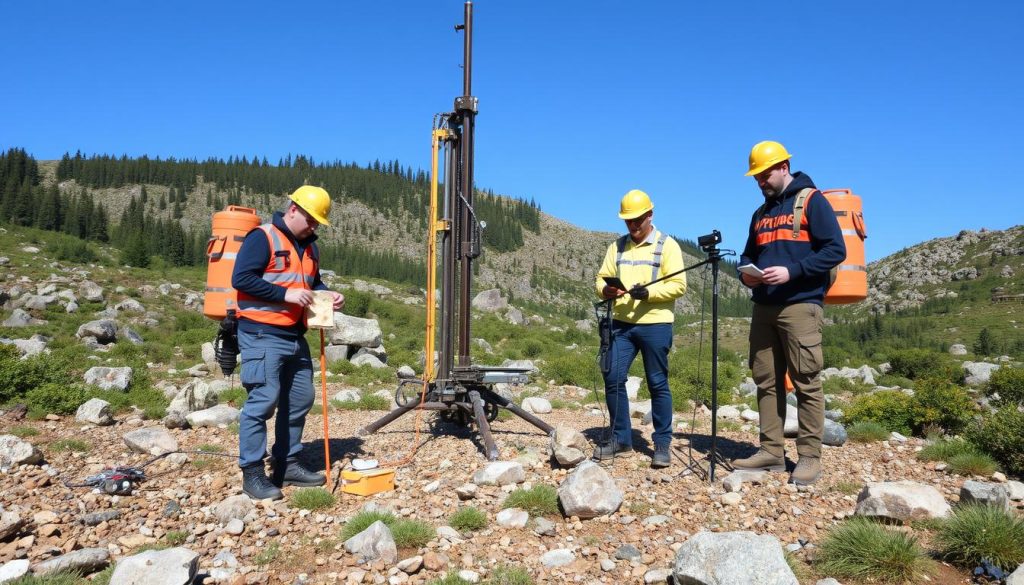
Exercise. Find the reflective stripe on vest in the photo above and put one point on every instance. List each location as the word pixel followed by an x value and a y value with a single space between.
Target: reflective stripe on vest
pixel 654 262
pixel 285 269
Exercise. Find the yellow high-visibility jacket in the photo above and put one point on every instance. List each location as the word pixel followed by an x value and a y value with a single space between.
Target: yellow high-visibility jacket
pixel 639 264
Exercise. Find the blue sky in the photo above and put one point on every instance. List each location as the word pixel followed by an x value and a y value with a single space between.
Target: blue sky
pixel 914 105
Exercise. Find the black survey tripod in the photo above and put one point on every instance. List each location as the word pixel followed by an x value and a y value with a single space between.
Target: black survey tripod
pixel 708 243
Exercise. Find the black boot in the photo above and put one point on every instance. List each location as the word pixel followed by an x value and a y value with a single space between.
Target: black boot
pixel 256 484
pixel 295 474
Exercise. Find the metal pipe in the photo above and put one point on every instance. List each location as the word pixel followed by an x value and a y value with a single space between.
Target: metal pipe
pixel 466 110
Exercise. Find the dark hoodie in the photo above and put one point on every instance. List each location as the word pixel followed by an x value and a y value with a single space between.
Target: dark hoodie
pixel 809 259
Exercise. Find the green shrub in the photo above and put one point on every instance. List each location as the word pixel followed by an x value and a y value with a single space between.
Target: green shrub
pixel 72 249
pixel 412 533
pixel 1008 384
pixel 55 398
pixel 945 449
pixel 176 537
pixel 235 395
pixel 867 431
pixel 365 402
pixel 540 500
pixel 1001 435
pixel 75 445
pixel 942 403
pixel 468 518
pixel 313 498
pixel 838 385
pixel 922 363
pixel 973 464
pixel 576 368
pixel 892 409
pixel 976 531
pixel 19 376
pixel 363 520
pixel 509 575
pixel 863 550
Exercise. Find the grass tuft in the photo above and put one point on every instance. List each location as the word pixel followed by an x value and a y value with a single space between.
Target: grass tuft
pixel 22 431
pixel 540 500
pixel 867 432
pixel 973 464
pixel 314 498
pixel 468 518
pixel 412 533
pixel 977 531
pixel 69 445
pixel 365 402
pixel 363 520
pixel 861 549
pixel 945 449
pixel 449 579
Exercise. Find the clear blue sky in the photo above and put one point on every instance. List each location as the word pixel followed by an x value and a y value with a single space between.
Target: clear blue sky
pixel 915 105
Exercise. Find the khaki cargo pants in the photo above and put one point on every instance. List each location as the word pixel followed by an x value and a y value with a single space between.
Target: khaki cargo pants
pixel 781 338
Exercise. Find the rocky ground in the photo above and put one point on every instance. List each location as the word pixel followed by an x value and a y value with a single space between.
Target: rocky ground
pixel 277 543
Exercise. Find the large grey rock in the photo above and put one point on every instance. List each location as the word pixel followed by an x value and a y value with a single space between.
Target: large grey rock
pixel 104 330
pixel 500 473
pixel 34 345
pixel 537 405
pixel 515 316
pixel 568 445
pixel 834 435
pixel 335 353
pixel 640 410
pixel 95 411
pixel 901 500
pixel 589 492
pixel 367 359
pixel 10 523
pixel 90 291
pixel 1015 490
pixel 349 330
pixel 38 302
pixel 490 301
pixel 727 558
pixel 20 318
pixel 978 373
pixel 15 451
pixel 12 570
pixel 83 561
pixel 982 492
pixel 130 306
pixel 735 480
pixel 151 440
pixel 513 518
pixel 173 566
pixel 194 396
pixel 109 378
pixel 1016 577
pixel 527 365
pixel 558 557
pixel 378 352
pixel 220 415
pixel 234 507
pixel 958 349
pixel 376 542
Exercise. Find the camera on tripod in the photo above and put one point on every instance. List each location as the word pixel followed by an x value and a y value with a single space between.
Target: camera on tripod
pixel 708 242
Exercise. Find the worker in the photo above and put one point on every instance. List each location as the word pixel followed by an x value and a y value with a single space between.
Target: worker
pixel 641 323
pixel 785 332
pixel 276 270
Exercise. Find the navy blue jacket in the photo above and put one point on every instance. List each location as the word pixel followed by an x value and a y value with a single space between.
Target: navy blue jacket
pixel 809 259
pixel 250 264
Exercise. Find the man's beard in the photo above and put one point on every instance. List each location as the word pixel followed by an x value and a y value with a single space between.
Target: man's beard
pixel 769 192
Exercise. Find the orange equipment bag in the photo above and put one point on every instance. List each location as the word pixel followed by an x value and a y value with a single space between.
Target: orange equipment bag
pixel 229 230
pixel 848 281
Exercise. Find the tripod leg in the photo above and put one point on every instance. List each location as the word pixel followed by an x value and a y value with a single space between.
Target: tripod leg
pixel 511 407
pixel 386 419
pixel 483 426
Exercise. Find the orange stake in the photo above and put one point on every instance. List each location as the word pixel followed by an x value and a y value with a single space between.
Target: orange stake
pixel 323 399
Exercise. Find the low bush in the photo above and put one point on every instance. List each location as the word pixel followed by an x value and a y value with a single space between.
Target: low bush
pixel 922 363
pixel 867 431
pixel 412 533
pixel 1008 384
pixel 314 498
pixel 468 518
pixel 891 409
pixel 1001 435
pixel 943 404
pixel 540 500
pixel 862 550
pixel 19 376
pixel 975 532
pixel 55 398
pixel 973 464
pixel 838 385
pixel 575 368
pixel 945 449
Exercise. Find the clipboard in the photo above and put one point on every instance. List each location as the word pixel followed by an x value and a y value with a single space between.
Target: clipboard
pixel 751 270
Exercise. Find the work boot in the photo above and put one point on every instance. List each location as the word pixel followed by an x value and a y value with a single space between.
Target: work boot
pixel 760 461
pixel 611 449
pixel 808 470
pixel 256 484
pixel 662 456
pixel 295 474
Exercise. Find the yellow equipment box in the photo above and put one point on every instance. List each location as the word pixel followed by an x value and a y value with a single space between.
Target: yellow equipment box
pixel 368 482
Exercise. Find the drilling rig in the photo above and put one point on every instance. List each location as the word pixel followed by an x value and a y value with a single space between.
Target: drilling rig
pixel 461 391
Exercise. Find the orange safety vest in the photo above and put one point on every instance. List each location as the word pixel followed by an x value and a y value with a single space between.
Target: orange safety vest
pixel 286 269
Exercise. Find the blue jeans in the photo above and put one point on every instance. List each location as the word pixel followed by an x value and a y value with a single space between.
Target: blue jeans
pixel 278 374
pixel 652 342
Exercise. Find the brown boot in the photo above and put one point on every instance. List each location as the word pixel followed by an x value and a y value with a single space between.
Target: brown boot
pixel 808 470
pixel 760 461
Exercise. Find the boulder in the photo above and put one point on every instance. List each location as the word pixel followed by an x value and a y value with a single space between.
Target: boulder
pixel 978 373
pixel 726 558
pixel 103 330
pixel 82 561
pixel 173 566
pixel 15 451
pixel 569 446
pixel 109 378
pixel 901 500
pixel 151 440
pixel 589 492
pixel 95 411
pixel 219 416
pixel 376 542
pixel 537 405
pixel 500 473
pixel 982 492
pixel 490 301
pixel 350 330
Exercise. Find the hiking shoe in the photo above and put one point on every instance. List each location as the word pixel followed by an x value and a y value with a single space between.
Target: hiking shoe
pixel 297 475
pixel 611 449
pixel 256 484
pixel 760 461
pixel 662 457
pixel 808 470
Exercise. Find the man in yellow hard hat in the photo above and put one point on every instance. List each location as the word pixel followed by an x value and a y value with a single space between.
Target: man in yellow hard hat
pixel 785 331
pixel 276 271
pixel 641 322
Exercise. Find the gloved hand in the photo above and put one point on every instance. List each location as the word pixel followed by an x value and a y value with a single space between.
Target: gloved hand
pixel 639 293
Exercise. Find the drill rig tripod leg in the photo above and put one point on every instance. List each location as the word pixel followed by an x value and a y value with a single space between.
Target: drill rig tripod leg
pixel 386 419
pixel 483 426
pixel 511 407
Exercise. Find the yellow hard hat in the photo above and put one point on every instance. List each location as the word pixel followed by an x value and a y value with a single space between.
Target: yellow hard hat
pixel 765 155
pixel 315 201
pixel 634 204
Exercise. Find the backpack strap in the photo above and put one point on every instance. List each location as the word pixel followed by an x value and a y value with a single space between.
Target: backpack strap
pixel 798 209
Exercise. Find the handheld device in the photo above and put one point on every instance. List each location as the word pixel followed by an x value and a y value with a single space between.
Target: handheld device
pixel 614 281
